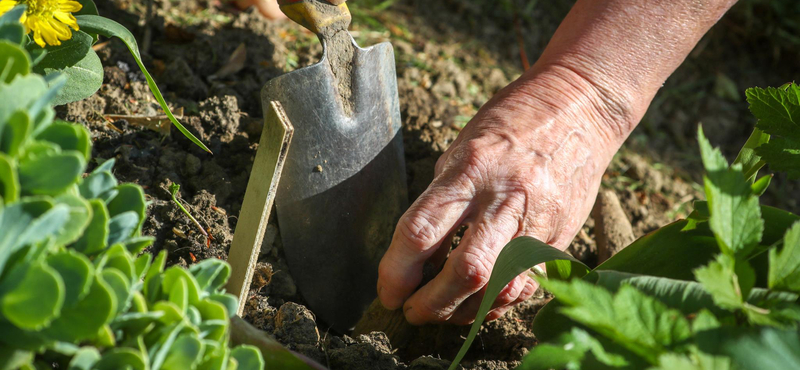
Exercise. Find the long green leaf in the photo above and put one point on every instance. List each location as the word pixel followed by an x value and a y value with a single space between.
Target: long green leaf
pixel 518 256
pixel 110 28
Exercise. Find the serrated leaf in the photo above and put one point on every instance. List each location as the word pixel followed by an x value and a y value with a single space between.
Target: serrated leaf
pixel 51 174
pixel 784 264
pixel 735 212
pixel 720 280
pixel 110 28
pixel 31 296
pixel 518 256
pixel 777 110
pixel 639 323
pixel 782 154
pixel 15 61
pixel 770 349
pixel 569 352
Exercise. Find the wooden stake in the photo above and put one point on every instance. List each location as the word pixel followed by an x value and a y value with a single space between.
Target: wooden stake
pixel 258 199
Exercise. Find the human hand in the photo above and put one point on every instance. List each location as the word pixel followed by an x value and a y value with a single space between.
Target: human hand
pixel 270 9
pixel 529 163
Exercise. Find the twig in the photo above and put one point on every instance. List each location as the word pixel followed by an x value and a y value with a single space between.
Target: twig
pixel 174 188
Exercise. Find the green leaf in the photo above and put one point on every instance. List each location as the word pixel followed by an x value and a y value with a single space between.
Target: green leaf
pixel 109 28
pixel 95 235
pixel 76 60
pixel 51 174
pixel 175 274
pixel 518 256
pixel 760 186
pixel 88 8
pixel 75 325
pixel 770 349
pixel 784 264
pixel 80 214
pixel 777 110
pixel 693 361
pixel 747 158
pixel 96 184
pixel 178 295
pixel 735 212
pixel 158 353
pixel 719 278
pixel 121 358
pixel 185 353
pixel 782 154
pixel 19 222
pixel 120 285
pixel 77 272
pixel 14 62
pixel 248 358
pixel 84 359
pixel 630 318
pixel 122 226
pixel 13 359
pixel 211 274
pixel 68 136
pixel 12 32
pixel 13 16
pixel 130 197
pixel 31 296
pixel 228 300
pixel 137 244
pixel 15 133
pixel 569 352
pixel 21 93
pixel 9 184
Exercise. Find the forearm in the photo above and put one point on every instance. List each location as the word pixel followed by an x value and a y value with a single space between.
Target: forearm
pixel 614 55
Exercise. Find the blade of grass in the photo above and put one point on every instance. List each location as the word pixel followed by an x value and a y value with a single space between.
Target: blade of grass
pixel 517 256
pixel 110 28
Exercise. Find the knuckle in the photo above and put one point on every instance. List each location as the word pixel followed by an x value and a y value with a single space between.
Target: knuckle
pixel 419 233
pixel 472 270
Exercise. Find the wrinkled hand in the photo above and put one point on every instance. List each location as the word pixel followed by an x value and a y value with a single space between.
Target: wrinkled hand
pixel 529 163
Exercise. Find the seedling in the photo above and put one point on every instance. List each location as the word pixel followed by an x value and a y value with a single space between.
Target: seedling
pixel 173 189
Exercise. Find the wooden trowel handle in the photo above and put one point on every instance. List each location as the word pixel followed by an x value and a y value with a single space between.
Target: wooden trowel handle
pixel 322 17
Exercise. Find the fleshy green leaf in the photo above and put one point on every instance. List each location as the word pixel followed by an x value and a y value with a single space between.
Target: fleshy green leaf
pixel 31 296
pixel 51 174
pixel 518 256
pixel 9 184
pixel 75 325
pixel 784 264
pixel 248 358
pixel 120 285
pixel 110 28
pixel 14 62
pixel 735 212
pixel 80 214
pixel 77 272
pixel 12 32
pixel 122 227
pixel 68 136
pixel 96 184
pixel 84 359
pixel 185 353
pixel 130 197
pixel 211 274
pixel 121 358
pixel 15 132
pixel 95 235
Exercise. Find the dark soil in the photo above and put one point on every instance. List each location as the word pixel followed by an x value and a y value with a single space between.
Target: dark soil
pixel 452 56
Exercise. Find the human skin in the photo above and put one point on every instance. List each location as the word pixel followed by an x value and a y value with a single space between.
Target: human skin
pixel 531 160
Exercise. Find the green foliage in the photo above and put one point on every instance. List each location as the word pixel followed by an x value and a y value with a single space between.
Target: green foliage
pixel 719 290
pixel 72 289
pixel 74 60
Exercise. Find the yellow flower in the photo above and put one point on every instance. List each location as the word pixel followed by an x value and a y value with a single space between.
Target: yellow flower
pixel 48 20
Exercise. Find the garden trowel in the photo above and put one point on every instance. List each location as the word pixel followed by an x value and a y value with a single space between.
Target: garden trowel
pixel 344 185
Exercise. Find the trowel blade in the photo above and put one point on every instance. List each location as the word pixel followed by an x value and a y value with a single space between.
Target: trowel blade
pixel 344 184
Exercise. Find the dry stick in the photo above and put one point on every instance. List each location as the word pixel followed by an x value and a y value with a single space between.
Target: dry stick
pixel 174 188
pixel 521 42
